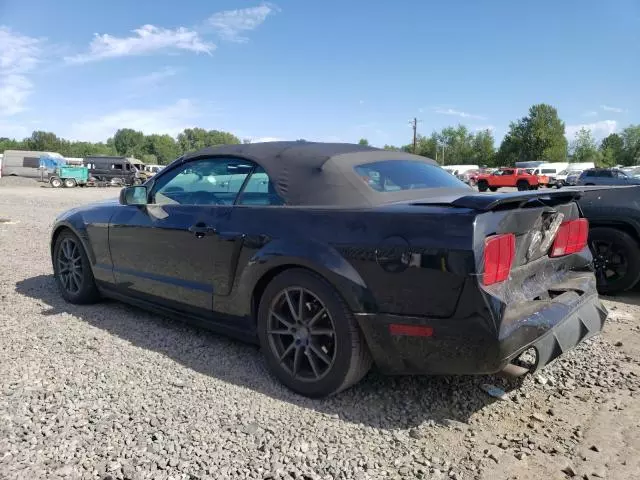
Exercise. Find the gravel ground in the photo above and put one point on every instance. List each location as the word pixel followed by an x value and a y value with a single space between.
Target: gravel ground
pixel 111 392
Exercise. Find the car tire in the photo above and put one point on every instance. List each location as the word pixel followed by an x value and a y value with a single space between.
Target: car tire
pixel 55 182
pixel 327 362
pixel 69 183
pixel 483 185
pixel 72 270
pixel 614 250
pixel 522 186
pixel 493 189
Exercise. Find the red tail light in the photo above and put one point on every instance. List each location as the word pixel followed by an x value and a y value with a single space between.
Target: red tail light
pixel 571 238
pixel 499 251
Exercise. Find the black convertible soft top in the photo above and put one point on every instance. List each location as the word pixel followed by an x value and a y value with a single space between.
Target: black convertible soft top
pixel 315 173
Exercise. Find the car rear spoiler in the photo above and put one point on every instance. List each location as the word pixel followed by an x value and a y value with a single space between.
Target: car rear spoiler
pixel 486 202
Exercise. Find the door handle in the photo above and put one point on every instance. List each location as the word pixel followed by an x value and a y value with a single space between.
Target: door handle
pixel 200 230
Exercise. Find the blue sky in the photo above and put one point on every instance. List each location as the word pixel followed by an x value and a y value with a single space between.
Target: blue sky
pixel 320 70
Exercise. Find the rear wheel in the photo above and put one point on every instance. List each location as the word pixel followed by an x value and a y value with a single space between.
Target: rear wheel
pixel 69 183
pixel 72 270
pixel 616 259
pixel 522 185
pixel 493 189
pixel 309 337
pixel 483 185
pixel 55 182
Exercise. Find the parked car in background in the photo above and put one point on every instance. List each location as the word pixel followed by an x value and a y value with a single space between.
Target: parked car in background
pixel 119 170
pixel 458 170
pixel 469 177
pixel 614 236
pixel 336 256
pixel 606 176
pixel 153 169
pixel 571 179
pixel 510 177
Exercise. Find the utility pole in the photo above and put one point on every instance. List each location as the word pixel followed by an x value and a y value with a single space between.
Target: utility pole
pixel 414 125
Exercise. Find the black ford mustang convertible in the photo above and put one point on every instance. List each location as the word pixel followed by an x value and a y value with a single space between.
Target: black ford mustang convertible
pixel 335 256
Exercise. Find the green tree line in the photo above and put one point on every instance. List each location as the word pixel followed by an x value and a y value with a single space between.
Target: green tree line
pixel 153 148
pixel 539 135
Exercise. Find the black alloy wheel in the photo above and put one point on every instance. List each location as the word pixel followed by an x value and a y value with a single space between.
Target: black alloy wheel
pixel 309 336
pixel 301 334
pixel 616 259
pixel 72 271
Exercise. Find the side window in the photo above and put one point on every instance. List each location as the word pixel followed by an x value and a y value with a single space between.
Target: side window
pixel 507 172
pixel 259 190
pixel 116 166
pixel 589 173
pixel 209 181
pixel 605 173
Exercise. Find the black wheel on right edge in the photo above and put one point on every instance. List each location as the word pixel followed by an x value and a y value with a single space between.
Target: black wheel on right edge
pixel 616 259
pixel 309 337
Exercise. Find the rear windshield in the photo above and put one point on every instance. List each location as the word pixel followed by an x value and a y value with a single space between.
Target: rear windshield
pixel 394 175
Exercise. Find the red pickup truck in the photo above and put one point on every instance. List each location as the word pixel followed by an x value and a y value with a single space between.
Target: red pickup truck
pixel 510 177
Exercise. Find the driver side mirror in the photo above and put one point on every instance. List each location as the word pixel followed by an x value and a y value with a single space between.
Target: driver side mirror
pixel 135 195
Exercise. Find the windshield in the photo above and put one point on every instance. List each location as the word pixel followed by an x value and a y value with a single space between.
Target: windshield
pixel 394 175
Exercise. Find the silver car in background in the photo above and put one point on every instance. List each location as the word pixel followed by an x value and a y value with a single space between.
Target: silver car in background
pixel 606 176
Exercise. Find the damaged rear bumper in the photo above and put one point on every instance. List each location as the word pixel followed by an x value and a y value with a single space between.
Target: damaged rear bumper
pixel 476 345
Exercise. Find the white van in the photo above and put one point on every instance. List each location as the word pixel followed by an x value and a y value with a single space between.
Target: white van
pixel 551 170
pixel 24 163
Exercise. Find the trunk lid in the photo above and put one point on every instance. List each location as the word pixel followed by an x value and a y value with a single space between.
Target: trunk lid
pixel 534 218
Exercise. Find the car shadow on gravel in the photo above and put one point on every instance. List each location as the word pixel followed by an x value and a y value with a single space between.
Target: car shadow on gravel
pixel 377 401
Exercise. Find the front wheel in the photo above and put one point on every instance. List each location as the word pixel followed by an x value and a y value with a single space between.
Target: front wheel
pixel 493 189
pixel 522 186
pixel 309 337
pixel 616 259
pixel 72 270
pixel 483 186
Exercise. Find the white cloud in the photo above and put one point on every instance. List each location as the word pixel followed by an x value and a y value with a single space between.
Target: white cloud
pixel 458 113
pixel 170 119
pixel 591 113
pixel 598 129
pixel 146 39
pixel 607 108
pixel 19 55
pixel 230 24
pixel 152 79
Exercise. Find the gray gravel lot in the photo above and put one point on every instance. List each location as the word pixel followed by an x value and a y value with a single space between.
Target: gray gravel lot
pixel 111 392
